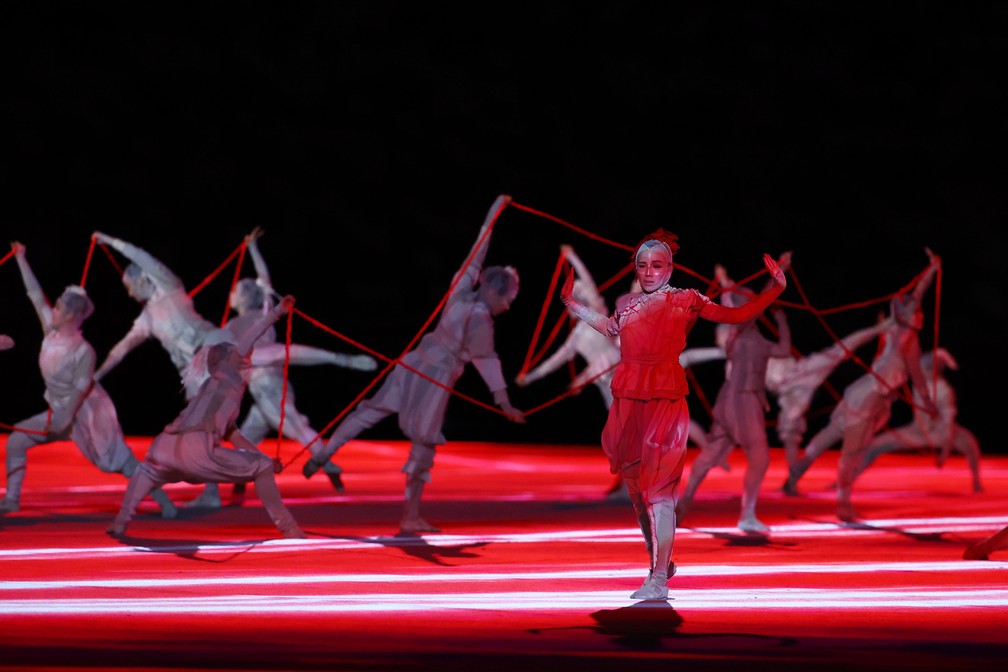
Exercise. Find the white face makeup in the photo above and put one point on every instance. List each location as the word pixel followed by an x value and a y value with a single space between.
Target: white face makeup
pixel 138 287
pixel 60 315
pixel 654 268
pixel 498 303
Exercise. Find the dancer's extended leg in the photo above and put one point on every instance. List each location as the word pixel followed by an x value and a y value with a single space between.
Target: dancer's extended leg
pixel 662 517
pixel 417 470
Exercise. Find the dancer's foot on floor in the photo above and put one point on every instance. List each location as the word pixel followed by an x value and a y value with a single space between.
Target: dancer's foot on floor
pixel 169 511
pixel 116 530
pixel 208 499
pixel 846 512
pixel 655 587
pixel 753 526
pixel 416 526
pixel 9 506
pixel 293 532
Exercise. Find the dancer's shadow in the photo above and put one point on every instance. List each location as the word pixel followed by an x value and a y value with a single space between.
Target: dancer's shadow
pixel 69 518
pixel 645 625
pixel 417 546
pixel 928 537
pixel 639 626
pixel 745 539
pixel 931 537
pixel 189 549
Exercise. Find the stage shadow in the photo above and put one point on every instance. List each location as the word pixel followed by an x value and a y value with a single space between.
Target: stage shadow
pixel 931 537
pixel 416 546
pixel 927 537
pixel 639 626
pixel 69 518
pixel 743 539
pixel 645 625
pixel 189 549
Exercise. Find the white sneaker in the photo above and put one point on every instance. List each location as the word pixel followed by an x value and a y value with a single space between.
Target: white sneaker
pixel 655 587
pixel 753 526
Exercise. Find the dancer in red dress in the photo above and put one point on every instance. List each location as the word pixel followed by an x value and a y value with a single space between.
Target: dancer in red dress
pixel 645 435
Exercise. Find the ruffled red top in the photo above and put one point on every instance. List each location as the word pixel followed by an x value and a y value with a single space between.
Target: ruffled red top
pixel 652 330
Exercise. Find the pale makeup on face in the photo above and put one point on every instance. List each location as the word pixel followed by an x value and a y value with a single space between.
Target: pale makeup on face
pixel 654 267
pixel 500 304
pixel 60 314
pixel 138 288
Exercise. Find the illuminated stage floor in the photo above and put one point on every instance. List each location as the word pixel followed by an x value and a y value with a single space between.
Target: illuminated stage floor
pixel 533 570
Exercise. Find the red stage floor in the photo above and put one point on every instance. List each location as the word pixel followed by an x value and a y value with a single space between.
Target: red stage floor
pixel 534 570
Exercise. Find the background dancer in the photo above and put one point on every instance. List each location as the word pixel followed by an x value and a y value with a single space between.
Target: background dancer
pixel 191 447
pixel 465 333
pixel 941 431
pixel 866 403
pixel 79 407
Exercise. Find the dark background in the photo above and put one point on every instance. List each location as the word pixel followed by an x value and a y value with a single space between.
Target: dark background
pixel 368 139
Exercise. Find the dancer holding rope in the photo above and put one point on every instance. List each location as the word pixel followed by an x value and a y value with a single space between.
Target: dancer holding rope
pixel 250 299
pixel 464 333
pixel 602 354
pixel 866 403
pixel 191 447
pixel 941 431
pixel 740 416
pixel 79 407
pixel 167 315
pixel 793 382
pixel 739 412
pixel 645 434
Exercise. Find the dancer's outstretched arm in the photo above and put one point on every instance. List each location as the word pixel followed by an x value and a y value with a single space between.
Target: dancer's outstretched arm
pixel 467 276
pixel 259 263
pixel 160 275
pixel 32 286
pixel 137 334
pixel 596 321
pixel 925 282
pixel 565 353
pixel 587 281
pixel 718 313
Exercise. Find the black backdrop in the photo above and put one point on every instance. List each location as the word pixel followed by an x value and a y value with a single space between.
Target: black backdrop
pixel 369 138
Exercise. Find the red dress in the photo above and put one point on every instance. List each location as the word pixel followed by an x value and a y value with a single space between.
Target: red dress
pixel 645 434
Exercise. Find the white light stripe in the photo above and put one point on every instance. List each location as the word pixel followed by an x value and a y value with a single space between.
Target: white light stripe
pixel 455 577
pixel 623 535
pixel 805 600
